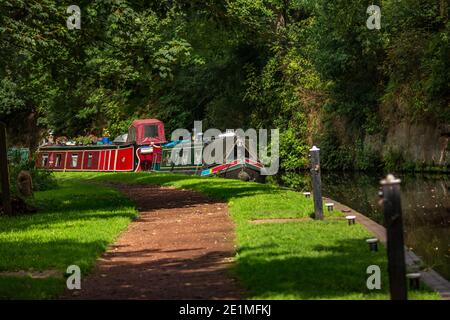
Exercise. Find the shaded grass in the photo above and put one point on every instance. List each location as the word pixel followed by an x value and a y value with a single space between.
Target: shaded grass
pixel 303 260
pixel 26 288
pixel 74 225
pixel 310 260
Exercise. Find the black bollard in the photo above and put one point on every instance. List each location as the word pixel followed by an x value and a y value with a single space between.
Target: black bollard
pixel 330 206
pixel 373 244
pixel 316 182
pixel 4 175
pixel 414 280
pixel 351 220
pixel 395 244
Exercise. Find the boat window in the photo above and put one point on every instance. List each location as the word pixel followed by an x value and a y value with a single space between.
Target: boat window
pixel 131 135
pixel 151 131
pixel 74 160
pixel 186 157
pixel 45 160
pixel 167 157
pixel 236 153
pixel 175 156
pixel 198 153
pixel 89 163
pixel 58 160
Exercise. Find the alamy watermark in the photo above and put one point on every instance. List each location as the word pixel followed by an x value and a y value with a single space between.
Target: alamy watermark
pixel 374 21
pixel 74 280
pixel 214 147
pixel 374 280
pixel 74 20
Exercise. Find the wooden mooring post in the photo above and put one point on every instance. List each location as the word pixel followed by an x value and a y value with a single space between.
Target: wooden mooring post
pixel 316 182
pixel 395 243
pixel 4 175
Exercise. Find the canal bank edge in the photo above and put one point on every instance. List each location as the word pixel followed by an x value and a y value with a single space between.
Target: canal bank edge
pixel 430 277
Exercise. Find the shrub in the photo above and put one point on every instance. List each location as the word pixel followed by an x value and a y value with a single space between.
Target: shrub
pixel 295 180
pixel 393 160
pixel 42 179
pixel 366 158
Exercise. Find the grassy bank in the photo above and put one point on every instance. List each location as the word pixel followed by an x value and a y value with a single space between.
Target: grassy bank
pixel 299 260
pixel 74 225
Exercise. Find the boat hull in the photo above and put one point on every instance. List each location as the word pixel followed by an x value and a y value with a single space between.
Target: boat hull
pixel 94 158
pixel 246 170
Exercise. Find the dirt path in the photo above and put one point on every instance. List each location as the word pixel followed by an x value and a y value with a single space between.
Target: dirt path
pixel 180 248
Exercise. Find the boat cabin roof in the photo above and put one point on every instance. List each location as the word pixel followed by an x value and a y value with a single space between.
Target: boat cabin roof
pixel 146 132
pixel 145 121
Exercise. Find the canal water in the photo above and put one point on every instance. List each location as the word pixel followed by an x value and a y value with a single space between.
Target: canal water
pixel 426 209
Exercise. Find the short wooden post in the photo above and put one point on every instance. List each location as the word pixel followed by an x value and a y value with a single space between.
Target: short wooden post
pixel 351 220
pixel 414 280
pixel 373 244
pixel 395 243
pixel 316 182
pixel 4 175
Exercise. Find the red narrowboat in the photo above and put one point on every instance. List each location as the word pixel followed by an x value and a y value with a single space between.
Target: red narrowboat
pixel 141 151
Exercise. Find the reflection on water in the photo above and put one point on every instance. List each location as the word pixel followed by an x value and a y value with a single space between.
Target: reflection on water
pixel 426 210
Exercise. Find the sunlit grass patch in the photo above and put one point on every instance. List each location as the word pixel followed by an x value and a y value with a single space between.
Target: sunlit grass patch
pixel 74 225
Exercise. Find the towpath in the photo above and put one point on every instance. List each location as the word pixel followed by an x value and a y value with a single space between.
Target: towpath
pixel 180 247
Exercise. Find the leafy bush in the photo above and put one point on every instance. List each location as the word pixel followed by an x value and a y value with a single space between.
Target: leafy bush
pixel 296 181
pixel 393 160
pixel 293 151
pixel 334 155
pixel 366 158
pixel 42 179
pixel 85 140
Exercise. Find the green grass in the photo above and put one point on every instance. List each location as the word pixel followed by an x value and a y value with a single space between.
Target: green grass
pixel 297 260
pixel 75 224
pixel 310 260
pixel 25 288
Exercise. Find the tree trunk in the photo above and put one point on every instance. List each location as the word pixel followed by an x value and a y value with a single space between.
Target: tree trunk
pixel 443 6
pixel 33 132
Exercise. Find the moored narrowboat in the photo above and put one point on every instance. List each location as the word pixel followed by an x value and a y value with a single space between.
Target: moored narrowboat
pixel 137 153
pixel 145 148
pixel 181 157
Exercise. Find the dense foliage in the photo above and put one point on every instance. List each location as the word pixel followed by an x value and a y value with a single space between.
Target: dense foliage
pixel 41 179
pixel 309 67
